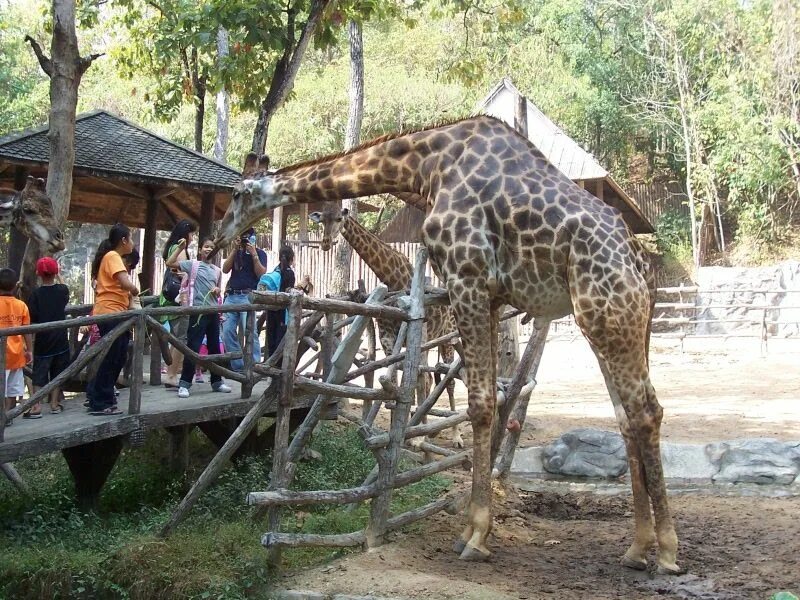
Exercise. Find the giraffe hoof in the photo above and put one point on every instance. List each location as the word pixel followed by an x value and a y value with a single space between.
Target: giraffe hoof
pixel 472 554
pixel 632 563
pixel 459 545
pixel 670 569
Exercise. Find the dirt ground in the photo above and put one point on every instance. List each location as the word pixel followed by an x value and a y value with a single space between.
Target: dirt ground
pixel 564 545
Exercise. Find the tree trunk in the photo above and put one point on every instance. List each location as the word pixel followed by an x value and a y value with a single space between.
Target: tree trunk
pixel 341 268
pixel 199 118
pixel 65 67
pixel 286 71
pixel 223 104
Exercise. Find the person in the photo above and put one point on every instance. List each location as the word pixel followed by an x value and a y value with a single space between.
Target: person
pixel 114 291
pixel 204 281
pixel 178 324
pixel 245 264
pixel 50 348
pixel 276 319
pixel 14 313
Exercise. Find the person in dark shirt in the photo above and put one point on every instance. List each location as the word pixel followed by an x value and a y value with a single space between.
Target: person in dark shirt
pixel 50 348
pixel 276 319
pixel 246 264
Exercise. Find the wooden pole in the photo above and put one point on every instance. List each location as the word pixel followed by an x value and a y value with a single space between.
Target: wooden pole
pixel 249 319
pixel 277 225
pixel 17 241
pixel 4 409
pixel 533 352
pixel 206 214
pixel 137 371
pixel 278 476
pixel 15 478
pixel 379 508
pixel 220 459
pixel 149 246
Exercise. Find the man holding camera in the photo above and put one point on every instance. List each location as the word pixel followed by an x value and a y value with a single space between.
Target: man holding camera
pixel 246 264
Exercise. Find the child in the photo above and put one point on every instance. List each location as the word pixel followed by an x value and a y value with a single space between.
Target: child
pixel 204 280
pixel 14 313
pixel 50 348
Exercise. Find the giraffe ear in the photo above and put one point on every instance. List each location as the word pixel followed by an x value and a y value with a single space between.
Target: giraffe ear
pixel 35 183
pixel 263 162
pixel 315 216
pixel 250 165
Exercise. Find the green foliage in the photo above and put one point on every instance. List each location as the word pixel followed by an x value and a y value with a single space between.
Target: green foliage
pixel 673 231
pixel 53 550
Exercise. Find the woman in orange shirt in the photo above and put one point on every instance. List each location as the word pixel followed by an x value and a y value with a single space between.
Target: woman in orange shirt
pixel 113 294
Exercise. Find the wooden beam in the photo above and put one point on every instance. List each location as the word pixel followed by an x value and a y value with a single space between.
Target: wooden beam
pixel 17 241
pixel 303 234
pixel 128 188
pixel 600 187
pixel 164 192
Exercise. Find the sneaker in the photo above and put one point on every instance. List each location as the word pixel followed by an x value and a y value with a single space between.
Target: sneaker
pixel 183 392
pixel 222 387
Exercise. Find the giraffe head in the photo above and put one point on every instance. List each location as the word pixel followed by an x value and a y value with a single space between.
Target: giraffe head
pixel 31 211
pixel 252 197
pixel 332 218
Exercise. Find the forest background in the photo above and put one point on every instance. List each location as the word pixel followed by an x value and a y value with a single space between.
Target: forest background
pixel 706 94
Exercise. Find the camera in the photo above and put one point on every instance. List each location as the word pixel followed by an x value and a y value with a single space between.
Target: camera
pixel 243 241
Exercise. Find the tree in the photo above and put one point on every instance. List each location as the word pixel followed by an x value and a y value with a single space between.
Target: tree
pixel 223 101
pixel 341 271
pixel 65 67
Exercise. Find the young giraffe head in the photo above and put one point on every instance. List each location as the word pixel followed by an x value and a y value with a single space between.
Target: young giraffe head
pixel 248 201
pixel 31 211
pixel 332 218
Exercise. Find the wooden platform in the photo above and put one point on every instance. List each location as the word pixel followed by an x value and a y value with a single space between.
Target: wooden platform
pixel 160 407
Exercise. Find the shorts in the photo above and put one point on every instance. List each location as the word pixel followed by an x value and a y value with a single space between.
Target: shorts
pixel 47 368
pixel 15 383
pixel 179 326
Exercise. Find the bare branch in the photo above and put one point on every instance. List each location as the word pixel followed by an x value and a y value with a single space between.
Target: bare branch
pixel 86 61
pixel 44 61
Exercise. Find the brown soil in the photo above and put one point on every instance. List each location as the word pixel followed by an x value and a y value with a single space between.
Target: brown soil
pixel 554 545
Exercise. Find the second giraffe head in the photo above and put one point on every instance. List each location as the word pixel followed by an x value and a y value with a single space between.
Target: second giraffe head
pixel 332 218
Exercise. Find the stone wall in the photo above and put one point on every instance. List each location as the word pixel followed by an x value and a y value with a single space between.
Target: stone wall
pixel 781 285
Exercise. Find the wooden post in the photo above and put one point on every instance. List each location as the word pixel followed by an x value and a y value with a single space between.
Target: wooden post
pixel 15 478
pixel 512 392
pixel 179 448
pixel 90 465
pixel 137 371
pixel 248 317
pixel 149 247
pixel 600 187
pixel 220 459
pixel 17 241
pixel 511 439
pixel 4 409
pixel 280 461
pixel 379 509
pixel 206 215
pixel 277 225
pixel 303 229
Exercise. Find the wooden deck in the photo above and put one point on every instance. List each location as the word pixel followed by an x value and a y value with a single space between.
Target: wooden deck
pixel 160 407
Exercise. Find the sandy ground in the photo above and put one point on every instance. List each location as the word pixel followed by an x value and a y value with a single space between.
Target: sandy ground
pixel 566 545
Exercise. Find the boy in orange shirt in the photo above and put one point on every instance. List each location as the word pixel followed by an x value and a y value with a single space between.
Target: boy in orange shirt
pixel 19 348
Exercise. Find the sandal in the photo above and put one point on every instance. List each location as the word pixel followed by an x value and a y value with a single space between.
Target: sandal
pixel 32 415
pixel 59 408
pixel 106 412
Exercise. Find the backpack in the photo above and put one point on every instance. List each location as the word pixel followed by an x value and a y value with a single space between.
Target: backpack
pixel 171 286
pixel 270 282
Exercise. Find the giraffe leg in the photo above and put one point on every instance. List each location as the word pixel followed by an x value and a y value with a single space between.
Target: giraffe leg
pixel 643 414
pixel 644 536
pixel 480 375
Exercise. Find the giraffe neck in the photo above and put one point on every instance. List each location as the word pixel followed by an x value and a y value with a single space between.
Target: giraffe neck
pixel 398 165
pixel 391 267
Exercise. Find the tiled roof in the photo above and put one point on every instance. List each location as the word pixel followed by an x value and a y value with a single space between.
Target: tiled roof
pixel 107 144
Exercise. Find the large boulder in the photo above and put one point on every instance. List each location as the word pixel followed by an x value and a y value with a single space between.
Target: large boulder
pixel 586 453
pixel 756 461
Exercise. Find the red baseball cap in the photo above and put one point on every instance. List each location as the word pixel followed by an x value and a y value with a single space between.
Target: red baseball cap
pixel 46 266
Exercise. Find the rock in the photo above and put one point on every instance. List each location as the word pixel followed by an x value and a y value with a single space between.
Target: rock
pixel 687 461
pixel 586 453
pixel 755 461
pixel 528 461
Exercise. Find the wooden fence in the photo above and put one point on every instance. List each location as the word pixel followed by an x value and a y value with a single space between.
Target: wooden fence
pixel 657 198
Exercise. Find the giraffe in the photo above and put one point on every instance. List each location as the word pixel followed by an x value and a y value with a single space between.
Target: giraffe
pixel 504 226
pixel 31 211
pixel 395 271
